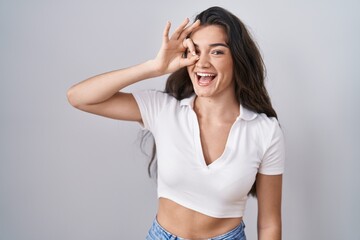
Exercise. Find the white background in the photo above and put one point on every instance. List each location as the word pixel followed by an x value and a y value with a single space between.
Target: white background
pixel 67 174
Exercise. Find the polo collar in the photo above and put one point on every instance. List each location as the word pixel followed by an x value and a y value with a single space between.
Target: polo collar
pixel 245 113
pixel 188 101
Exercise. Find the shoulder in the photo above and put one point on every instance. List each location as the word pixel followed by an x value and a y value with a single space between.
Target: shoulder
pixel 152 104
pixel 268 127
pixel 261 126
pixel 156 98
pixel 160 98
pixel 269 123
pixel 259 120
pixel 153 94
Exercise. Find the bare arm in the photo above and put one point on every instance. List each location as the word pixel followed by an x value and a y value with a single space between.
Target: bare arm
pixel 269 188
pixel 100 94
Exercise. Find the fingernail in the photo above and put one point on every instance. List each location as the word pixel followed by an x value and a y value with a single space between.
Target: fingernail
pixel 193 53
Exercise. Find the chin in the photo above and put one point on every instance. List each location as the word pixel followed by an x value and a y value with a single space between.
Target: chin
pixel 202 93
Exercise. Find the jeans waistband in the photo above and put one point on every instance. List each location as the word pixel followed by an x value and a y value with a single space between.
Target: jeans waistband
pixel 158 232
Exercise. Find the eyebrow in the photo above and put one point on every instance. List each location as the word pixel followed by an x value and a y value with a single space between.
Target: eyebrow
pixel 215 45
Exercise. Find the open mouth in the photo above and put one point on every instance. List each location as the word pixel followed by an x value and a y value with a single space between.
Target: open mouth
pixel 204 79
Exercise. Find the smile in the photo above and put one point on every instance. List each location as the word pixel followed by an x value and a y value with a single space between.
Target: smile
pixel 204 79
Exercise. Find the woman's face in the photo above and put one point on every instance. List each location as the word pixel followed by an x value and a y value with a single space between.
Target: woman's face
pixel 212 74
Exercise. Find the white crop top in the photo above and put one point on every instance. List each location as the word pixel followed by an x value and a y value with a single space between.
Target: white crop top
pixel 255 144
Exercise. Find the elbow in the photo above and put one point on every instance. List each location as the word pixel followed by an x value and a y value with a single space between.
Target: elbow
pixel 71 97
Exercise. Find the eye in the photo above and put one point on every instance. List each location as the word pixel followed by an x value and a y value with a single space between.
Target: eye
pixel 217 52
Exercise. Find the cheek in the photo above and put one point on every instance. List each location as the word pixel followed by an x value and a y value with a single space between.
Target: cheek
pixel 190 71
pixel 228 69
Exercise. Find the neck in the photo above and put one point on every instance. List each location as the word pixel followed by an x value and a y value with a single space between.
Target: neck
pixel 221 108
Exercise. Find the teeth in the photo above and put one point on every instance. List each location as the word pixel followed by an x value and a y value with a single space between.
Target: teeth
pixel 205 74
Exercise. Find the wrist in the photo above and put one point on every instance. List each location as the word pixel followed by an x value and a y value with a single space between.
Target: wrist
pixel 153 68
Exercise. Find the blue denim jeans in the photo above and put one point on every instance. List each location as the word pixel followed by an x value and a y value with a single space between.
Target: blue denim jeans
pixel 157 232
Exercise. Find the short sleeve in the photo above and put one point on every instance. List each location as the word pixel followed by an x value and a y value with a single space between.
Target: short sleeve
pixel 274 158
pixel 151 103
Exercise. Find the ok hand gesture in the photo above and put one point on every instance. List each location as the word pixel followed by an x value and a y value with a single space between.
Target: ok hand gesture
pixel 171 54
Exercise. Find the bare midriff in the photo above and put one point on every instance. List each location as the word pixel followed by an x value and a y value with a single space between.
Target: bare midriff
pixel 186 223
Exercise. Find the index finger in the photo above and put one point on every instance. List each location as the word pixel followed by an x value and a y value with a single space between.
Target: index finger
pixel 178 31
pixel 189 29
pixel 189 44
pixel 167 30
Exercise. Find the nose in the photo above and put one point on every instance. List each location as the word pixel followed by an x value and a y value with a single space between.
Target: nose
pixel 203 61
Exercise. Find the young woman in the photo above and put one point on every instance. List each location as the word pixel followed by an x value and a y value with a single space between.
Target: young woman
pixel 217 136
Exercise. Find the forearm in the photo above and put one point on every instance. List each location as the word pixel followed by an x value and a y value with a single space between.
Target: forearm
pixel 268 188
pixel 101 87
pixel 269 233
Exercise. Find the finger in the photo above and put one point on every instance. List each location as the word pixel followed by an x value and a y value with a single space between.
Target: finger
pixel 189 44
pixel 189 29
pixel 184 62
pixel 180 29
pixel 167 30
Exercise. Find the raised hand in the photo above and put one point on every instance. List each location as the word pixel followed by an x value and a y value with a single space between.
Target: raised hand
pixel 170 56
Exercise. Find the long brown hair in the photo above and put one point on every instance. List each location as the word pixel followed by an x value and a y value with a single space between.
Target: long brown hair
pixel 249 70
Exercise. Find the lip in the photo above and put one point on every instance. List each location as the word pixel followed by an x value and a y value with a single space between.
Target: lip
pixel 205 74
pixel 198 75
